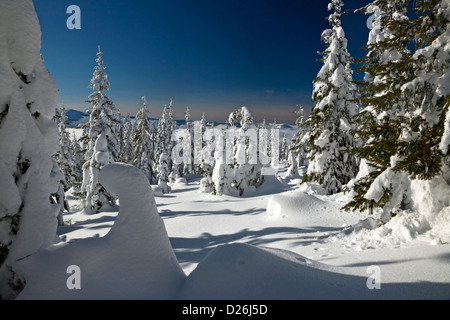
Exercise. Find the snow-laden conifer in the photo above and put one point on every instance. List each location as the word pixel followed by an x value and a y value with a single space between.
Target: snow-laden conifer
pixel 103 140
pixel 142 145
pixel 330 137
pixel 405 101
pixel 239 171
pixel 28 140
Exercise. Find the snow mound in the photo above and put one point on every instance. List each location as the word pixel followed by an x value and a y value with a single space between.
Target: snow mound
pixel 242 271
pixel 294 204
pixel 406 226
pixel 428 219
pixel 440 232
pixel 134 260
pixel 371 233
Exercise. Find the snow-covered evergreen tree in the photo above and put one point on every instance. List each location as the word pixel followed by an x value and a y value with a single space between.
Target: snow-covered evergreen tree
pixel 59 196
pixel 264 138
pixel 188 166
pixel 284 148
pixel 28 140
pixel 104 116
pixel 386 51
pixel 330 137
pixel 142 154
pixel 65 170
pixel 204 151
pixel 406 99
pixel 239 172
pixel 104 126
pixel 163 173
pixel 199 143
pixel 424 143
pixel 171 127
pixel 292 171
pixel 77 166
pixel 177 157
pixel 161 137
pixel 164 144
pixel 212 168
pixel 221 170
pixel 128 132
pixel 96 195
pixel 274 143
pixel 64 156
pixel 298 141
pixel 166 127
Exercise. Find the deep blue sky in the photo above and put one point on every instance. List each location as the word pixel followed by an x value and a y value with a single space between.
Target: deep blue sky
pixel 209 55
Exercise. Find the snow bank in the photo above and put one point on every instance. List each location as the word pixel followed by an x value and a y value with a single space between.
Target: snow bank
pixel 440 232
pixel 294 204
pixel 430 196
pixel 134 260
pixel 371 233
pixel 427 218
pixel 241 271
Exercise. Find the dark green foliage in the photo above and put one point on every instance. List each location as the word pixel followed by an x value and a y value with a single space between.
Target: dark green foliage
pixel 403 117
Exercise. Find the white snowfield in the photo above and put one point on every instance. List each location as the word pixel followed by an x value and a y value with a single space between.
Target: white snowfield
pixel 283 242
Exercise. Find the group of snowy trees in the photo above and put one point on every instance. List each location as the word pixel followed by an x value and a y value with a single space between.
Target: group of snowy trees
pixel 404 121
pixel 229 161
pixel 370 137
pixel 375 138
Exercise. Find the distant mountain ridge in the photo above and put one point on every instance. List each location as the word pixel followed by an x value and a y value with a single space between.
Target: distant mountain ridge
pixel 76 117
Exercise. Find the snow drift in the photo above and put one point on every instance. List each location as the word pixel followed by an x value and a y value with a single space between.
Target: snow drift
pixel 242 272
pixel 294 204
pixel 133 261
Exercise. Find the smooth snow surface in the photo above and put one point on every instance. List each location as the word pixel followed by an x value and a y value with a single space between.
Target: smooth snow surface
pixel 242 271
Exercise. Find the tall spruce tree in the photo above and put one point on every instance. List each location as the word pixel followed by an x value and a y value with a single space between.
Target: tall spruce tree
pixel 298 143
pixel 65 169
pixel 142 144
pixel 128 131
pixel 381 106
pixel 77 166
pixel 188 167
pixel 199 145
pixel 204 153
pixel 171 127
pixel 104 116
pixel 163 173
pixel 405 122
pixel 161 136
pixel 103 140
pixel 284 148
pixel 64 156
pixel 330 137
